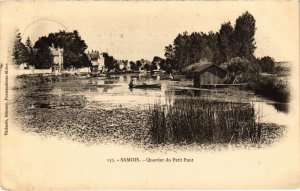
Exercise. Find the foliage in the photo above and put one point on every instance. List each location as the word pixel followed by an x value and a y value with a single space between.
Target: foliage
pixel 226 42
pixel 270 87
pixel 108 61
pixel 43 58
pixel 72 44
pixel 267 64
pixel 237 66
pixel 133 66
pixel 147 67
pixel 30 53
pixel 244 31
pixel 158 61
pixel 219 47
pixel 116 65
pixel 20 53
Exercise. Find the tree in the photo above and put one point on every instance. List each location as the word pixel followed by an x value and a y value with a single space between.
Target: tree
pixel 30 52
pixel 226 42
pixel 236 66
pixel 116 65
pixel 170 55
pixel 244 32
pixel 139 63
pixel 267 64
pixel 74 47
pixel 133 66
pixel 43 58
pixel 147 67
pixel 108 61
pixel 28 43
pixel 20 54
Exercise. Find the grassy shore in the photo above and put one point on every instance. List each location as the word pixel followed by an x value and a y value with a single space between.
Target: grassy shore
pixel 26 80
pixel 203 121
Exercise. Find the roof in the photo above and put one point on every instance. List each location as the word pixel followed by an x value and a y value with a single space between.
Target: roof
pixel 93 55
pixel 55 51
pixel 206 66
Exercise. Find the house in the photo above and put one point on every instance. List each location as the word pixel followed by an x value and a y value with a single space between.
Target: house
pixel 208 74
pixel 58 59
pixel 97 60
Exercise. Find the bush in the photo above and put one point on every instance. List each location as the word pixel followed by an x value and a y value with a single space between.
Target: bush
pixel 237 66
pixel 267 86
pixel 270 87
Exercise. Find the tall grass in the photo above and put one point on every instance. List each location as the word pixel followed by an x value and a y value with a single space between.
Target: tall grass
pixel 203 121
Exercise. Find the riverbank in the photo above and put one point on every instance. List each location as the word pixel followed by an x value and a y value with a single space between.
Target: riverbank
pixel 271 87
pixel 26 80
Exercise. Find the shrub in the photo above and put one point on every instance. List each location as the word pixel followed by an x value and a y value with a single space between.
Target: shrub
pixel 270 87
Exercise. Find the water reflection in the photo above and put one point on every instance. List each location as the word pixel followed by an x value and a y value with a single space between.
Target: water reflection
pixel 114 90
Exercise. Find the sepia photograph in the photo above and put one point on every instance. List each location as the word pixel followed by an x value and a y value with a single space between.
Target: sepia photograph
pixel 149 95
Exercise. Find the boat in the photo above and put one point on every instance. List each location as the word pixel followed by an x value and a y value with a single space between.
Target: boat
pixel 144 85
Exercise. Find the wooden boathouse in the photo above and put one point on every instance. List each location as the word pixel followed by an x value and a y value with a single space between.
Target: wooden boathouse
pixel 209 75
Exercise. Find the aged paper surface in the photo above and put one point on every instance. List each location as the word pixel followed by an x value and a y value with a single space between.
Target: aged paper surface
pixel 133 30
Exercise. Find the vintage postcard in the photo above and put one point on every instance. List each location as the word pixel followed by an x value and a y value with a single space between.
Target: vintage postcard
pixel 149 95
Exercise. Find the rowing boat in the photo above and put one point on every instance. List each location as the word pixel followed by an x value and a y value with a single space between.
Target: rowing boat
pixel 144 85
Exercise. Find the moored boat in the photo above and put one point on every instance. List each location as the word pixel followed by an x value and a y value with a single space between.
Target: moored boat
pixel 144 85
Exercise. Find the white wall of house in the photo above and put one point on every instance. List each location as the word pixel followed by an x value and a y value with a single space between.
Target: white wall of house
pixel 83 70
pixel 101 62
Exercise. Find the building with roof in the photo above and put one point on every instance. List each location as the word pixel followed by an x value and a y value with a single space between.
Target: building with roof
pixel 97 60
pixel 58 59
pixel 209 74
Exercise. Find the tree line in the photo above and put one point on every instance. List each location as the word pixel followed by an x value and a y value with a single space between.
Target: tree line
pixel 232 45
pixel 40 56
pixel 229 44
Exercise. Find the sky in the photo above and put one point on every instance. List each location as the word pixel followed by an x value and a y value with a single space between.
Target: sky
pixel 138 29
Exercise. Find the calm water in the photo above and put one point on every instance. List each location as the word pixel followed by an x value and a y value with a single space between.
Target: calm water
pixel 113 92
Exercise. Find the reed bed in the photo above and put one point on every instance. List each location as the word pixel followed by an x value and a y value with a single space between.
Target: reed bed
pixel 203 121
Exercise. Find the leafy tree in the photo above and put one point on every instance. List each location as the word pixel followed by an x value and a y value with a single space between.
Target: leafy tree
pixel 147 67
pixel 116 65
pixel 133 66
pixel 108 61
pixel 244 32
pixel 28 43
pixel 153 66
pixel 20 53
pixel 267 64
pixel 170 55
pixel 226 42
pixel 163 65
pixel 236 66
pixel 43 58
pixel 74 47
pixel 139 63
pixel 30 52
